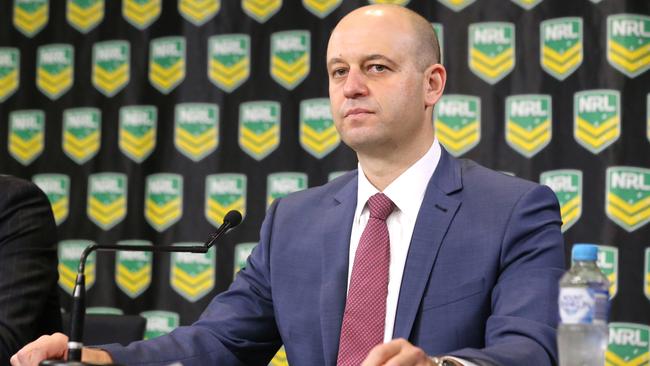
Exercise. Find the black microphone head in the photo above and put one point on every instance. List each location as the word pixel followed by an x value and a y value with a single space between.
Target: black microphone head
pixel 233 217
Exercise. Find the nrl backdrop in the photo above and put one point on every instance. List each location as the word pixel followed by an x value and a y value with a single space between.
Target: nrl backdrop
pixel 146 121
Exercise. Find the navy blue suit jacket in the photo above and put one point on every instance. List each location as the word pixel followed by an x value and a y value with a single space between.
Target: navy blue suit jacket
pixel 480 281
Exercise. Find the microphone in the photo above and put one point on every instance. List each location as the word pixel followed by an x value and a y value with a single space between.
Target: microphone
pixel 78 312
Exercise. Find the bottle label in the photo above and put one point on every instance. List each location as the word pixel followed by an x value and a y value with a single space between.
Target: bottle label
pixel 583 305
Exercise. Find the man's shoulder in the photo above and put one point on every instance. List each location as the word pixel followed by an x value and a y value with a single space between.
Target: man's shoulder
pixel 12 187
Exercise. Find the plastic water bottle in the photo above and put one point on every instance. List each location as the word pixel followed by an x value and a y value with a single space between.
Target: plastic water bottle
pixel 584 303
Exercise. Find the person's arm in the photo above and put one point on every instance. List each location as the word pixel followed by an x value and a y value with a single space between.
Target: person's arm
pixel 28 272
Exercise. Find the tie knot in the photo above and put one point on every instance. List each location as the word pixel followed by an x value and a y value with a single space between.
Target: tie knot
pixel 380 206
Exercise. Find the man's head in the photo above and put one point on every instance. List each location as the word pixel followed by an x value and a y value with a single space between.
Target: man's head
pixel 384 78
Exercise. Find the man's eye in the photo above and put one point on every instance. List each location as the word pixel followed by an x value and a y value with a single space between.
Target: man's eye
pixel 378 68
pixel 339 72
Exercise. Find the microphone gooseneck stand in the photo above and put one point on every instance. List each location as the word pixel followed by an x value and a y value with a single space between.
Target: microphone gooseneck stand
pixel 75 342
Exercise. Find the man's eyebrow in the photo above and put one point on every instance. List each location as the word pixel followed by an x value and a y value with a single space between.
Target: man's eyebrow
pixel 372 57
pixel 334 60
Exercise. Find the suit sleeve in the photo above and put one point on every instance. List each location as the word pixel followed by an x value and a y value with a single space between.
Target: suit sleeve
pixel 237 328
pixel 28 273
pixel 521 329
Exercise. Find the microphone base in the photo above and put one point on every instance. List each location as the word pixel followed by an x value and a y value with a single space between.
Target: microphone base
pixel 72 363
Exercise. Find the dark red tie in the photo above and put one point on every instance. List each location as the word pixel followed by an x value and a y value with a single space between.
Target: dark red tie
pixel 365 307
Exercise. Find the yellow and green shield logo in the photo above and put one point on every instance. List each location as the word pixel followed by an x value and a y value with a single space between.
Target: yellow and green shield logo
pixel 198 12
pixel 159 323
pixel 26 135
pixel 137 136
pixel 111 66
pixel 628 43
pixel 9 72
pixel 69 253
pixel 229 60
pixel 261 10
pixel 163 205
pixel 133 269
pixel 290 52
pixel 608 264
pixel 54 69
pixel 491 50
pixel 196 132
pixel 646 274
pixel 392 2
pixel 628 196
pixel 259 128
pixel 57 189
pixel 628 345
pixel 280 358
pixel 318 135
pixel 193 274
pixel 141 13
pixel 457 122
pixel 321 8
pixel 527 4
pixel 167 63
pixel 242 252
pixel 567 185
pixel 84 15
pixel 561 46
pixel 280 185
pixel 224 192
pixel 456 5
pixel 81 133
pixel 30 16
pixel 440 33
pixel 107 194
pixel 528 123
pixel 104 310
pixel 597 118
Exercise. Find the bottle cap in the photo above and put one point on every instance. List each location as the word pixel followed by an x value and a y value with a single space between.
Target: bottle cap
pixel 584 252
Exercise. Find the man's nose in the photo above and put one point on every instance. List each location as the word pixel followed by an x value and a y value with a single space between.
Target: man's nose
pixel 355 84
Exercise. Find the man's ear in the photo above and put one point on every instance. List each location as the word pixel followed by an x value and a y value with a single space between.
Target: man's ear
pixel 435 78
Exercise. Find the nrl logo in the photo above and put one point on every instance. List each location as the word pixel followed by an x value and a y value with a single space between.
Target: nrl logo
pixel 561 49
pixel 527 4
pixel 528 123
pixel 646 274
pixel 104 310
pixel 167 63
pixel 628 43
pixel 608 264
pixel 318 135
pixel 198 12
pixel 567 185
pixel 290 52
pixel 84 15
pixel 137 136
pixel 597 118
pixel 440 33
pixel 280 358
pixel 69 253
pixel 141 13
pixel 111 66
pixel 280 185
pixel 26 135
pixel 57 189
pixel 229 60
pixel 491 50
pixel 242 252
pixel 628 344
pixel 163 200
pixel 9 72
pixel 456 5
pixel 259 128
pixel 628 196
pixel 81 133
pixel 261 10
pixel 224 192
pixel 30 16
pixel 159 323
pixel 457 122
pixel 192 274
pixel 133 269
pixel 54 75
pixel 321 8
pixel 196 132
pixel 107 199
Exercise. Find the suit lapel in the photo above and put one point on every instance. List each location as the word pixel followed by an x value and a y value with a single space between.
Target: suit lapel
pixel 435 216
pixel 336 227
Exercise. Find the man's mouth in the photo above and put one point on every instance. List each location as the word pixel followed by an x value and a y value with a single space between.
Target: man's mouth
pixel 356 111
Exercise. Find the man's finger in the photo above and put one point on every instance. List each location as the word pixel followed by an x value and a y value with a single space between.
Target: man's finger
pixel 409 355
pixel 384 352
pixel 45 347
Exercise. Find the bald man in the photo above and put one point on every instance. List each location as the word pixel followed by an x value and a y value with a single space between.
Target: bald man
pixel 415 258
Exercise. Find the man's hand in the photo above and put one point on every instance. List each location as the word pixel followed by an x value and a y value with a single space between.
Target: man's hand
pixel 398 352
pixel 55 347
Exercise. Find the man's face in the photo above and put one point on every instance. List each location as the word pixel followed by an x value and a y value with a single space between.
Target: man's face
pixel 376 88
